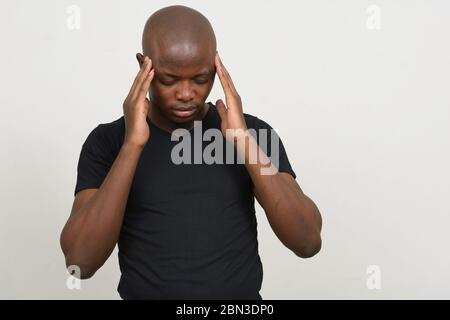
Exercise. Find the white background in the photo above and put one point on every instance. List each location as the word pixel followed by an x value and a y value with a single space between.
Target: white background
pixel 362 113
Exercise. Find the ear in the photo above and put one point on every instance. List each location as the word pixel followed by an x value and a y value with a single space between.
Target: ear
pixel 140 59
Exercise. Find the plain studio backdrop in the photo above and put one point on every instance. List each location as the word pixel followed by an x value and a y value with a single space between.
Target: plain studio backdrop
pixel 359 91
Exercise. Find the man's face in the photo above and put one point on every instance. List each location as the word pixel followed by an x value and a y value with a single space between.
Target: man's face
pixel 184 76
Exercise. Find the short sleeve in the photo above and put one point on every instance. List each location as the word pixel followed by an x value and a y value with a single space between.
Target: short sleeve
pixel 268 138
pixel 95 160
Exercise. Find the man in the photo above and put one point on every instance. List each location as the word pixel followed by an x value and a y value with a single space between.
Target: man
pixel 184 231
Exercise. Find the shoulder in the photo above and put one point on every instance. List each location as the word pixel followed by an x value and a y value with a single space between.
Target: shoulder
pixel 113 126
pixel 253 122
pixel 107 135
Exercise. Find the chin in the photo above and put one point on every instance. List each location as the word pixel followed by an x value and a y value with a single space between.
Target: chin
pixel 181 121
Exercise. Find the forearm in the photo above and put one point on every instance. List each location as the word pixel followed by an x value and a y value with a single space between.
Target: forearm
pixel 293 216
pixel 91 233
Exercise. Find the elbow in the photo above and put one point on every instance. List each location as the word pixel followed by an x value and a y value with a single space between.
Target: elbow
pixel 76 265
pixel 87 275
pixel 312 248
pixel 79 270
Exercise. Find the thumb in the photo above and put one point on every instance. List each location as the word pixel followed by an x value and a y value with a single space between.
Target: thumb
pixel 221 109
pixel 147 107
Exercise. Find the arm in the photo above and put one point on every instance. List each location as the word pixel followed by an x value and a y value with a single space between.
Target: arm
pixel 91 233
pixel 93 228
pixel 294 218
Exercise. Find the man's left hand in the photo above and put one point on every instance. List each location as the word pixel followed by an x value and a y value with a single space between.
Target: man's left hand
pixel 230 113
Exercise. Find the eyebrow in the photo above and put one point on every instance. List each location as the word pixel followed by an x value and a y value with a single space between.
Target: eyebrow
pixel 168 74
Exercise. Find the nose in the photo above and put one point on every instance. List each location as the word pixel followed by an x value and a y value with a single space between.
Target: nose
pixel 184 92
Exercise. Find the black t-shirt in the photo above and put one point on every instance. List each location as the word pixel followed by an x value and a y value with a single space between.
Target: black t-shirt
pixel 189 230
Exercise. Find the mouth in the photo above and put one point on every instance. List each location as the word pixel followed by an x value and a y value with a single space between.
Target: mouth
pixel 184 112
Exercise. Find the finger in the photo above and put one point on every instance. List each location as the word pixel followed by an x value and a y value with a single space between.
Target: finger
pixel 141 79
pixel 148 106
pixel 223 81
pixel 136 79
pixel 144 72
pixel 221 109
pixel 232 98
pixel 145 85
pixel 227 76
pixel 140 58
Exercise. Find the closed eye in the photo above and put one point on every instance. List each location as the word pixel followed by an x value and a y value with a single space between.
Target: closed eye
pixel 202 80
pixel 167 82
pixel 171 80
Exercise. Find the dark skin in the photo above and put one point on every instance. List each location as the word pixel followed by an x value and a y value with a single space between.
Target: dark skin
pixel 178 69
pixel 183 57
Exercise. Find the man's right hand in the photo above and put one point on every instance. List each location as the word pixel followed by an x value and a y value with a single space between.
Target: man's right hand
pixel 136 106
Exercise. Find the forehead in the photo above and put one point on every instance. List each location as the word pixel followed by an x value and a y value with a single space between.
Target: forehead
pixel 182 58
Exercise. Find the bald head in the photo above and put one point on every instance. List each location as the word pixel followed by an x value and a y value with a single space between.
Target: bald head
pixel 178 36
